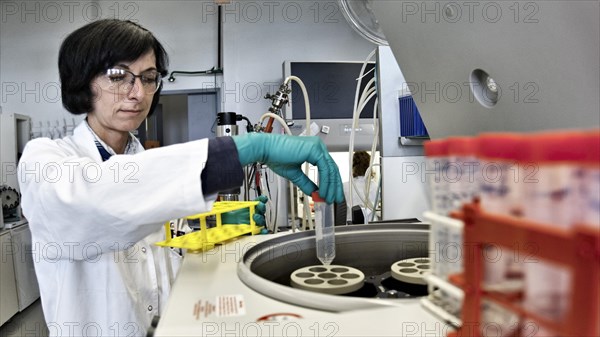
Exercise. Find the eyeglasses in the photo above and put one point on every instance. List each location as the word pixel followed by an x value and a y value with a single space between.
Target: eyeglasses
pixel 121 81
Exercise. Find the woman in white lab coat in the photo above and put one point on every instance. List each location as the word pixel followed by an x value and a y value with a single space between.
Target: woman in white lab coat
pixel 96 201
pixel 360 163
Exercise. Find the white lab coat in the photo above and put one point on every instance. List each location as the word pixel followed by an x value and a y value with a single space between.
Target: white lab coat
pixel 359 193
pixel 93 226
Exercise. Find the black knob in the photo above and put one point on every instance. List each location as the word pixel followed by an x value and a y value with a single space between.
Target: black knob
pixel 155 320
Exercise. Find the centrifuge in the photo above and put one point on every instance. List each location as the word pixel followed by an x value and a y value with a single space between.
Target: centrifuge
pixel 244 287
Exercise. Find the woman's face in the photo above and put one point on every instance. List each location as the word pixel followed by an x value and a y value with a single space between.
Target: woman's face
pixel 118 110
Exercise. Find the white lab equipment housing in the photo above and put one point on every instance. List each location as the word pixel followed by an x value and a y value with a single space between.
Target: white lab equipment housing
pixel 542 57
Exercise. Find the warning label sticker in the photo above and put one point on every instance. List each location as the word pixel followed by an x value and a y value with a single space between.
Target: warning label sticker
pixel 231 305
pixel 221 306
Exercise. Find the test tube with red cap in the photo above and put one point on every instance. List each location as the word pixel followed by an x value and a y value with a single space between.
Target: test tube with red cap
pixel 552 199
pixel 590 183
pixel 500 190
pixel 590 186
pixel 437 160
pixel 462 170
pixel 501 173
pixel 459 175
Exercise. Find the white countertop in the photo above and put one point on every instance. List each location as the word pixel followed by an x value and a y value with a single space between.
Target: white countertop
pixel 206 279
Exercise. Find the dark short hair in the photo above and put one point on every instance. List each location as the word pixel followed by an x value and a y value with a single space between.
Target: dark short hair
pixel 360 163
pixel 97 46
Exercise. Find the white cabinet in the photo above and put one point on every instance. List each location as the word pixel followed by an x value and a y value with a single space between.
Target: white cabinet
pixel 9 305
pixel 18 282
pixel 15 132
pixel 28 290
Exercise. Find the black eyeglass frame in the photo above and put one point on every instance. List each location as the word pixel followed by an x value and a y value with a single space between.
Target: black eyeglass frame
pixel 131 83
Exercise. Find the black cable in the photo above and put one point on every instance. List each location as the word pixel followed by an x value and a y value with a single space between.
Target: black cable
pixel 219 35
pixel 267 182
pixel 212 128
pixel 217 106
pixel 249 177
pixel 219 53
pixel 213 70
pixel 249 127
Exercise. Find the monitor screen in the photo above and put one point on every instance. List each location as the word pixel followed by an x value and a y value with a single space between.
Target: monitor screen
pixel 331 88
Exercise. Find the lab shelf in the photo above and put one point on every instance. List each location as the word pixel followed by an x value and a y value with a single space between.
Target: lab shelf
pixel 577 248
pixel 206 238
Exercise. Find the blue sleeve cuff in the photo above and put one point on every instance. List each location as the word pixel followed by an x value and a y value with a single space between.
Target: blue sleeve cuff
pixel 223 170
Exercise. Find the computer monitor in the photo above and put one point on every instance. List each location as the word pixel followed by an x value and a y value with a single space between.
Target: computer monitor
pixel 331 88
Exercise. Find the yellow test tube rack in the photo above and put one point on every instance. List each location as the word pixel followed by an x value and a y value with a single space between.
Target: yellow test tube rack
pixel 206 238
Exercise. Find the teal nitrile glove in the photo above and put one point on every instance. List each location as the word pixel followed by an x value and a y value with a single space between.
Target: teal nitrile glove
pixel 285 155
pixel 242 216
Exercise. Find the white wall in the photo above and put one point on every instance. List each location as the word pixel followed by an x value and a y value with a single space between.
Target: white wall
pixel 297 30
pixel 258 37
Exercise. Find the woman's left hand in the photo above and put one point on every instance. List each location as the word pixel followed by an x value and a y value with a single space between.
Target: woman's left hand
pixel 242 216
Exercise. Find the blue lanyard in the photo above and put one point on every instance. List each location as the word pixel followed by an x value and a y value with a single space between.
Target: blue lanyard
pixel 103 152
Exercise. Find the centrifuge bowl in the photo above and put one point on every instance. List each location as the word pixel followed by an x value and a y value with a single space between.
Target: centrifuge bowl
pixel 373 248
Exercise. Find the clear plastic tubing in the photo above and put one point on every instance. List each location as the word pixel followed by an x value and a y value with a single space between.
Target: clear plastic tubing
pixel 324 229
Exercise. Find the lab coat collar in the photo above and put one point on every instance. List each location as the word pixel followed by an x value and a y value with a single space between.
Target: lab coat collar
pixel 84 138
